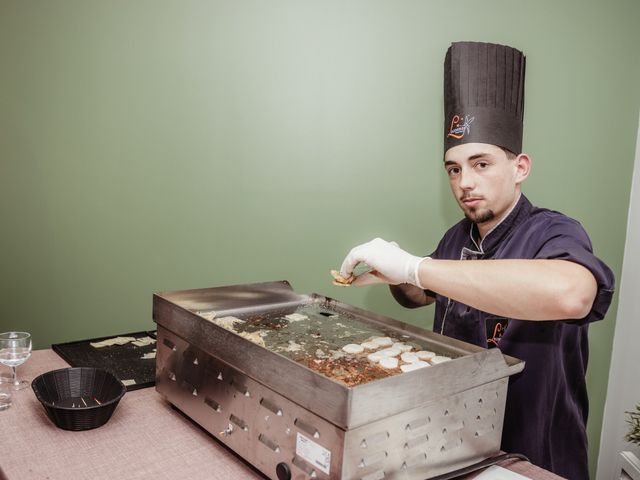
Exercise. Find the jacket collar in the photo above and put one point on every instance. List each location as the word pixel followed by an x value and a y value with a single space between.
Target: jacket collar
pixel 494 237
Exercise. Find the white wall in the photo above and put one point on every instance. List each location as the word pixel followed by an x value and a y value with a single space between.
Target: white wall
pixel 623 392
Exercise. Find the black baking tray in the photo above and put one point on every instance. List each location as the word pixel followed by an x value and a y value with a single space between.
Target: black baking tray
pixel 124 361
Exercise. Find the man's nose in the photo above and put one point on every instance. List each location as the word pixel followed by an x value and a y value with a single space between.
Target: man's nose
pixel 467 179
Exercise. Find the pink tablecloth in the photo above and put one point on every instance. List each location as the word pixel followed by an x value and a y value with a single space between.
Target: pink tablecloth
pixel 144 439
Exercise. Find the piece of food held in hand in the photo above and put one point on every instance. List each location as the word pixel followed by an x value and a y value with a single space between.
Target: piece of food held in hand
pixel 340 281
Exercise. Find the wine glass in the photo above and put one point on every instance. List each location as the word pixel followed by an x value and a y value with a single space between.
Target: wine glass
pixel 15 348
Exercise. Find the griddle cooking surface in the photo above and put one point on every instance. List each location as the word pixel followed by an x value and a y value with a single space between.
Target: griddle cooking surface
pixel 317 337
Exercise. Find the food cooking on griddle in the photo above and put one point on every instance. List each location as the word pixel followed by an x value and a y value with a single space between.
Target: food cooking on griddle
pixel 335 344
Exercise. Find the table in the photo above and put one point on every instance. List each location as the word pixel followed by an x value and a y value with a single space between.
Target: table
pixel 145 438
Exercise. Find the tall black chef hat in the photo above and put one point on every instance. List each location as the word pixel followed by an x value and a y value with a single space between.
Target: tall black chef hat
pixel 483 95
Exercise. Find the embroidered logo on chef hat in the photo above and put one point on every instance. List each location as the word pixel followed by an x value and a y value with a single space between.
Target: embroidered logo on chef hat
pixel 460 126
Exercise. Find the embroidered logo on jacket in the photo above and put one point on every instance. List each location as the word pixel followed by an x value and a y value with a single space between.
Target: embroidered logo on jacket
pixel 496 327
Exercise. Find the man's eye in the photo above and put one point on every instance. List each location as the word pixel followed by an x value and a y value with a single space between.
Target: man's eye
pixel 482 165
pixel 453 171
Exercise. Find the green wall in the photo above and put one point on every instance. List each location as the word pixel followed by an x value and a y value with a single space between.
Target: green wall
pixel 166 145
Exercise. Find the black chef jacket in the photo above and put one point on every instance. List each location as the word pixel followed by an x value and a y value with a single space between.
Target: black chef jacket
pixel 547 404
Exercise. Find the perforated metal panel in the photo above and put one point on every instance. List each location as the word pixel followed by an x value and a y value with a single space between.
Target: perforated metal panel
pixel 260 425
pixel 265 428
pixel 432 439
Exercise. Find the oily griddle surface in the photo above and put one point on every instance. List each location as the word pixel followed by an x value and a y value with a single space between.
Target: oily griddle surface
pixel 316 341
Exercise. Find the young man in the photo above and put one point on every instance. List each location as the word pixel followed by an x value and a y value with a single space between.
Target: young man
pixel 538 284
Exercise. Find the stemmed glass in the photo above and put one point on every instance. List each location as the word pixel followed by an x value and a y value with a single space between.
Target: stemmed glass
pixel 15 348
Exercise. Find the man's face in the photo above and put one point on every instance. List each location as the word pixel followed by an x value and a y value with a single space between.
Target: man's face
pixel 484 181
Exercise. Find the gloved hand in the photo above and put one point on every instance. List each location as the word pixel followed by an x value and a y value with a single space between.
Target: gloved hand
pixel 390 264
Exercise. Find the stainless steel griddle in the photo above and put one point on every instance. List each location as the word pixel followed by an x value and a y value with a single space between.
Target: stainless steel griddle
pixel 280 394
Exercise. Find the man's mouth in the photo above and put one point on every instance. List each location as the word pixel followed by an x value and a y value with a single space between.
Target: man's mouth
pixel 471 201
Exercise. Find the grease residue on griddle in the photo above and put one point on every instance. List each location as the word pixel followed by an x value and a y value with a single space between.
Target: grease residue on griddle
pixel 314 335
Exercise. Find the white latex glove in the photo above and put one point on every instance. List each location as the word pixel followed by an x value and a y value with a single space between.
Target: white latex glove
pixel 390 264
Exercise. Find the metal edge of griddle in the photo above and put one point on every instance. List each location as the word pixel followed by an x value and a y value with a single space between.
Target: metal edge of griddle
pixel 230 297
pixel 307 388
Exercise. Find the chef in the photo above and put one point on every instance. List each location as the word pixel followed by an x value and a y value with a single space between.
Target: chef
pixel 510 275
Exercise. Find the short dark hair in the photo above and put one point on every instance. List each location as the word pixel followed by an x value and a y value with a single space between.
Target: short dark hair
pixel 510 155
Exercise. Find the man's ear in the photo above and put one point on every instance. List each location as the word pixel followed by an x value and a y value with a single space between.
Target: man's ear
pixel 523 167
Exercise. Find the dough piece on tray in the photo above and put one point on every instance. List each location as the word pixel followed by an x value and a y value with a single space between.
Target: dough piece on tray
pixel 414 366
pixel 375 357
pixel 390 352
pixel 389 362
pixel 353 348
pixel 409 357
pixel 402 346
pixel 370 345
pixel 425 355
pixel 439 359
pixel 382 341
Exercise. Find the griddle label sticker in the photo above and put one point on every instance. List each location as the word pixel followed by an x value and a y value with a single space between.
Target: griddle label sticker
pixel 315 454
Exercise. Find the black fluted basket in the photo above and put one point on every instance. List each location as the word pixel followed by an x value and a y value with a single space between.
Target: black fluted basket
pixel 78 398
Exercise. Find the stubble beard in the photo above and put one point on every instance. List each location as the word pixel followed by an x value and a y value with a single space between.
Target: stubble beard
pixel 480 217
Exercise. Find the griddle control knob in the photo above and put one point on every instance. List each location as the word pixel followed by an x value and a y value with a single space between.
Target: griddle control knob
pixel 283 471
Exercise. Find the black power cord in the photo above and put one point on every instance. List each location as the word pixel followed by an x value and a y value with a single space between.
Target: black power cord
pixel 477 466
